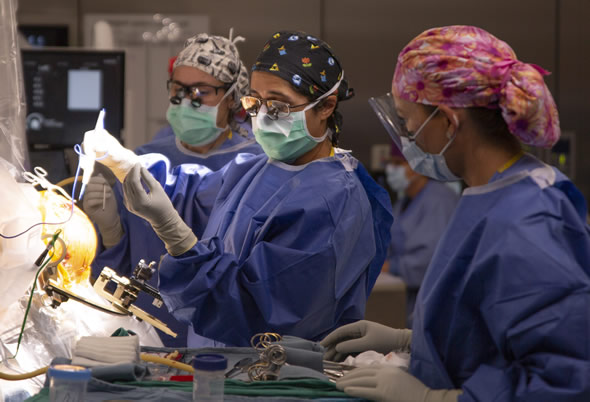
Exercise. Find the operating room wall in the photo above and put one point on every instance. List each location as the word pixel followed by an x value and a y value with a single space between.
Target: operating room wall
pixel 368 34
pixel 573 93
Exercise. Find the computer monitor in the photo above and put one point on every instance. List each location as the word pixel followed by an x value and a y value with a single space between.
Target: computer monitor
pixel 66 88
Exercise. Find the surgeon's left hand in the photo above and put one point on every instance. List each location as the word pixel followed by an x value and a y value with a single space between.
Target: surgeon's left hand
pixel 386 383
pixel 156 208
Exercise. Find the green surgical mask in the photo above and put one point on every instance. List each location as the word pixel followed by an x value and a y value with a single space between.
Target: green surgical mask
pixel 287 138
pixel 195 126
pixel 284 139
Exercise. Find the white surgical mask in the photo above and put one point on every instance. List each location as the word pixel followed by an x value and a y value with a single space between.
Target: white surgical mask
pixel 396 178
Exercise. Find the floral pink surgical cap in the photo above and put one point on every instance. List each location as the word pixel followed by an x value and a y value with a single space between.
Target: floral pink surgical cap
pixel 465 66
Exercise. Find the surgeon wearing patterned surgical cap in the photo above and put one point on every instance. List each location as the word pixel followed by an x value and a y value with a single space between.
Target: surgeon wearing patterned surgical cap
pixel 294 238
pixel 297 84
pixel 502 313
pixel 207 126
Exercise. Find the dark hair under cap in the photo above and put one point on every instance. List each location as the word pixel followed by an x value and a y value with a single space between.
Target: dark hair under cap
pixel 308 64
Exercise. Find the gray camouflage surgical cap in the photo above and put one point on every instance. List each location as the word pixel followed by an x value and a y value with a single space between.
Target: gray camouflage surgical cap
pixel 219 57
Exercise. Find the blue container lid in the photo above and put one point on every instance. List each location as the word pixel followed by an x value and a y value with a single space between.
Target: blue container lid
pixel 209 362
pixel 69 372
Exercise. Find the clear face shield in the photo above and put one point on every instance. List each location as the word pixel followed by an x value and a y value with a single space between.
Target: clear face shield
pixel 384 108
pixel 431 165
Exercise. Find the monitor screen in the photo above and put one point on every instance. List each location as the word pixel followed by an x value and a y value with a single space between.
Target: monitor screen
pixel 66 88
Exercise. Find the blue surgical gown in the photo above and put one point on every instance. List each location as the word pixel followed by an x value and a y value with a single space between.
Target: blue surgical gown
pixel 287 249
pixel 141 242
pixel 503 311
pixel 415 235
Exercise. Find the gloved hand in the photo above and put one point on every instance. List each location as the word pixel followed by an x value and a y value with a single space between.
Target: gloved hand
pixel 107 219
pixel 388 383
pixel 365 335
pixel 156 208
pixel 119 159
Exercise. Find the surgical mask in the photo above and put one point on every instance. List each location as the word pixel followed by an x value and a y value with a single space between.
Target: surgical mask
pixel 430 165
pixel 397 179
pixel 195 126
pixel 287 138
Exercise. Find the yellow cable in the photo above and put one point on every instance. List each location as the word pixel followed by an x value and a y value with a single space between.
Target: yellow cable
pixel 167 362
pixel 23 376
pixel 67 181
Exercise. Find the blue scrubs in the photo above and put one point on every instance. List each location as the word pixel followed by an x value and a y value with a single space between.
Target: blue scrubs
pixel 415 235
pixel 141 242
pixel 287 249
pixel 503 312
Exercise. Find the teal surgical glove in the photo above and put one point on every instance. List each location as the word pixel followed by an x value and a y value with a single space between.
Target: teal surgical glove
pixel 118 158
pixel 156 208
pixel 387 383
pixel 365 335
pixel 99 194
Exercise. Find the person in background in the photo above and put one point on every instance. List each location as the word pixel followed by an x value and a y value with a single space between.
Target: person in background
pixel 421 213
pixel 296 237
pixel 208 79
pixel 502 313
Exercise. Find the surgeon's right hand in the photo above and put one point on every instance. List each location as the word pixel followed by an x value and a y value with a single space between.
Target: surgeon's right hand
pixel 365 335
pixel 101 207
pixel 118 158
pixel 152 204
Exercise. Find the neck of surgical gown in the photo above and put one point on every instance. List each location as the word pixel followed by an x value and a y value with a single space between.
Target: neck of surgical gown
pixel 167 144
pixel 503 311
pixel 287 249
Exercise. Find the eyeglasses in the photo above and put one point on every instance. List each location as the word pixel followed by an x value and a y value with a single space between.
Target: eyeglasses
pixel 276 109
pixel 196 93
